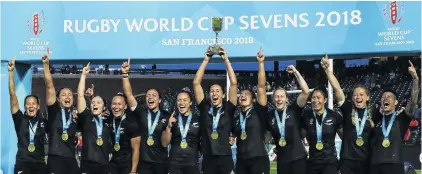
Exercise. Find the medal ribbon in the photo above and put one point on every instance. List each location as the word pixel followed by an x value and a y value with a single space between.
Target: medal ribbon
pixel 66 123
pixel 360 127
pixel 117 137
pixel 99 125
pixel 184 130
pixel 319 126
pixel 151 128
pixel 33 129
pixel 243 120
pixel 215 119
pixel 281 124
pixel 385 131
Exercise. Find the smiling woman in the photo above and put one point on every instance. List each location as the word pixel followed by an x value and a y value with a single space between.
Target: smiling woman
pixel 29 127
pixel 97 143
pixel 183 133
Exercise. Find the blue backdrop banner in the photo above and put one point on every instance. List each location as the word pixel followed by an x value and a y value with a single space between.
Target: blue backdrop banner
pixel 182 30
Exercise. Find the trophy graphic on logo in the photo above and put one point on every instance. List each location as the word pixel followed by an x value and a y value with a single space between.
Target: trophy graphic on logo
pixel 217 25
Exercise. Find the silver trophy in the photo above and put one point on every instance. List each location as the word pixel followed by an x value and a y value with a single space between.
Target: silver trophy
pixel 217 25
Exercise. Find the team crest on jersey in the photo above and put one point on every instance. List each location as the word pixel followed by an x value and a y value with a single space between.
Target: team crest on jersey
pixel 311 121
pixel 196 125
pixel 273 120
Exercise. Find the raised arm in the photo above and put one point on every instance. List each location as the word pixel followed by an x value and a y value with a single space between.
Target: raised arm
pixel 127 88
pixel 166 135
pixel 411 106
pixel 333 80
pixel 232 76
pixel 303 96
pixel 197 88
pixel 14 104
pixel 81 105
pixel 49 86
pixel 262 96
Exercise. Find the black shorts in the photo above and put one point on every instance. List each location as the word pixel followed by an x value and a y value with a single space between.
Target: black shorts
pixel 217 164
pixel 321 168
pixel 58 164
pixel 387 168
pixel 178 169
pixel 145 167
pixel 123 167
pixel 256 165
pixel 293 167
pixel 30 168
pixel 353 167
pixel 96 168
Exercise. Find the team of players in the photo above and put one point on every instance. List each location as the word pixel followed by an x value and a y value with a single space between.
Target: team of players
pixel 134 138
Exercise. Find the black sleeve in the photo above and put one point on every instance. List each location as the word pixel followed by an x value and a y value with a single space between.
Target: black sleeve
pixel 339 119
pixel 84 117
pixel 17 119
pixel 134 129
pixel 231 109
pixel 298 110
pixel 303 120
pixel 404 120
pixel 137 111
pixel 137 114
pixel 345 109
pixel 52 112
pixel 262 114
pixel 204 103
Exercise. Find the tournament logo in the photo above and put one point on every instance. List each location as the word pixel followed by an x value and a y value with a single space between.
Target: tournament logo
pixel 397 33
pixel 393 12
pixel 35 45
pixel 36 24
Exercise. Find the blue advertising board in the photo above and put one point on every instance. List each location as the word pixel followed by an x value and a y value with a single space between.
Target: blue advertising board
pixel 182 30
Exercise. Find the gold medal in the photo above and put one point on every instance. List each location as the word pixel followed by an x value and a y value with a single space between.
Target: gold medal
pixel 150 141
pixel 116 147
pixel 31 148
pixel 319 146
pixel 65 136
pixel 183 144
pixel 214 135
pixel 243 136
pixel 99 141
pixel 353 122
pixel 359 142
pixel 282 142
pixel 386 143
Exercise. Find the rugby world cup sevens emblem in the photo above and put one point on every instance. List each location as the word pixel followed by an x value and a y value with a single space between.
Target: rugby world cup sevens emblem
pixel 36 23
pixel 394 12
